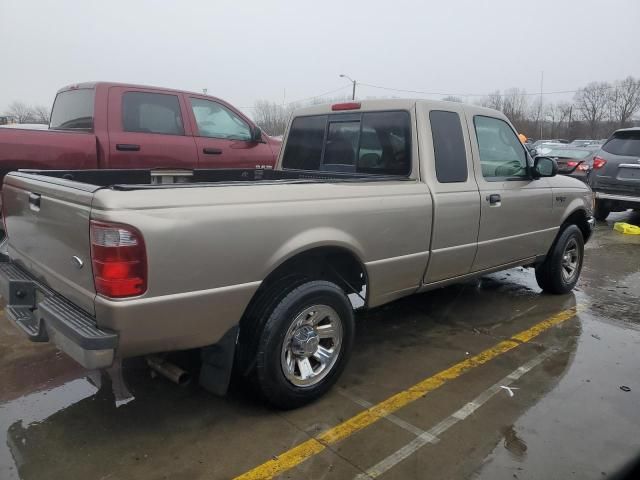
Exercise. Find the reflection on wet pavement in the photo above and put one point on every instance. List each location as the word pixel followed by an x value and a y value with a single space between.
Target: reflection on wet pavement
pixel 567 418
pixel 514 444
pixel 23 412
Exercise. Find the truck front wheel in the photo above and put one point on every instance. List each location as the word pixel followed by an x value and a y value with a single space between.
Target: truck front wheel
pixel 305 344
pixel 561 269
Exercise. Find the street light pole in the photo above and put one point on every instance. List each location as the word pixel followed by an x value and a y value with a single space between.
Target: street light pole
pixel 353 92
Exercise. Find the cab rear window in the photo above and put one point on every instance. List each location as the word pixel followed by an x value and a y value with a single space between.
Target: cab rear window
pixel 367 143
pixel 73 110
pixel 624 143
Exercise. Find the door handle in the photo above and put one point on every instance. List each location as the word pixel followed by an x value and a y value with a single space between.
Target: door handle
pixel 34 201
pixel 127 147
pixel 212 151
pixel 494 199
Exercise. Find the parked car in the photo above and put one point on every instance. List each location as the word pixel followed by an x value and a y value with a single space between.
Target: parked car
pixel 256 266
pixel 554 141
pixel 111 125
pixel 585 143
pixel 576 162
pixel 542 149
pixel 616 173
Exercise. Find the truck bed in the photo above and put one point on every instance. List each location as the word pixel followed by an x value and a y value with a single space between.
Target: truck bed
pixel 37 149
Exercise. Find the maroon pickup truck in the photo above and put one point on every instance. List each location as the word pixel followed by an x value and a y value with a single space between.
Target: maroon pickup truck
pixel 110 125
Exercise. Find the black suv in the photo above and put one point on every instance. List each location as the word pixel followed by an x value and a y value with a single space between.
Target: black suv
pixel 615 177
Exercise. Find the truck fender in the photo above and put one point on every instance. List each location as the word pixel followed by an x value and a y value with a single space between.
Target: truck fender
pixel 311 239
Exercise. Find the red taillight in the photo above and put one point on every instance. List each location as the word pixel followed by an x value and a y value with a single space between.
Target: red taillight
pixel 345 106
pixel 598 162
pixel 571 163
pixel 119 260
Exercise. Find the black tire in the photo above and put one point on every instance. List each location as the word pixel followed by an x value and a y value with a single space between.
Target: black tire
pixel 549 274
pixel 601 211
pixel 271 380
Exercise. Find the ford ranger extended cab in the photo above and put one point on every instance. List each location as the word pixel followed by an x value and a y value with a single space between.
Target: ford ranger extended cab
pixel 379 199
pixel 112 125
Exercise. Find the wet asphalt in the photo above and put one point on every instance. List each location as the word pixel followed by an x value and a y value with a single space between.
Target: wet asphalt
pixel 574 414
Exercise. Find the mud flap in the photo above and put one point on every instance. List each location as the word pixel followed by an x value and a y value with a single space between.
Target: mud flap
pixel 217 363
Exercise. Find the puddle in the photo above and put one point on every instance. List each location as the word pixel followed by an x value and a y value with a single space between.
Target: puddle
pixel 30 410
pixel 514 444
pixel 586 424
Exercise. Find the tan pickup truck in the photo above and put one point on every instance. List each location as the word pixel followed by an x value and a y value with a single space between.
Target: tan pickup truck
pixel 263 268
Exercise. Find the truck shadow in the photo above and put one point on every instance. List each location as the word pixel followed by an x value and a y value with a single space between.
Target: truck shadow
pixel 88 436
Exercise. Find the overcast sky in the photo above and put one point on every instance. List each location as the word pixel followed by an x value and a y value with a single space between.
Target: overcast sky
pixel 243 51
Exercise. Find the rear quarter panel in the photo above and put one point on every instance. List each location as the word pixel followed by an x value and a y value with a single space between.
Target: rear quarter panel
pixel 209 248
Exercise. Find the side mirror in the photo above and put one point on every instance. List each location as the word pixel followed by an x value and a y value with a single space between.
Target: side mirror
pixel 256 134
pixel 544 167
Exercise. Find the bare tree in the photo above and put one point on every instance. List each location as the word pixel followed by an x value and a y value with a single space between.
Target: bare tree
pixel 321 100
pixel 493 100
pixel 271 117
pixel 551 116
pixel 41 114
pixel 565 119
pixel 21 111
pixel 624 100
pixel 534 114
pixel 592 102
pixel 514 106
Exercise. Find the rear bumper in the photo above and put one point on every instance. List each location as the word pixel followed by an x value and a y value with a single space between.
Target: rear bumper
pixel 617 197
pixel 43 315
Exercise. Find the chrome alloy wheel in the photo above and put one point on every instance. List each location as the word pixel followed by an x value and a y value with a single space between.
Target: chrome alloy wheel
pixel 570 261
pixel 311 346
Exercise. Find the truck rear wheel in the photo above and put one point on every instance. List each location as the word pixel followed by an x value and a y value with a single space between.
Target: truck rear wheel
pixel 305 344
pixel 561 269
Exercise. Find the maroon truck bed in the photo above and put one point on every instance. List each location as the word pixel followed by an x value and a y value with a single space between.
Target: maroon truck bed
pixel 110 125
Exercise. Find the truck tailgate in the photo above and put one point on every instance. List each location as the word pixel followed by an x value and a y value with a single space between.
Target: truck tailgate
pixel 48 230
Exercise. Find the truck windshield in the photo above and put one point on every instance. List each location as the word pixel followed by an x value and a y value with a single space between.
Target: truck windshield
pixel 73 110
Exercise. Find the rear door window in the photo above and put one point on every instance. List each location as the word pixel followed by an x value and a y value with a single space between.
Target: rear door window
pixel 624 143
pixel 73 110
pixel 448 147
pixel 368 143
pixel 151 113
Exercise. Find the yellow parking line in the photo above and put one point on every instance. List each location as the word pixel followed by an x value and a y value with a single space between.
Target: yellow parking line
pixel 313 446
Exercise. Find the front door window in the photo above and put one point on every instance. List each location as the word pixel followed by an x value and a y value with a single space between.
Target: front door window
pixel 216 121
pixel 502 156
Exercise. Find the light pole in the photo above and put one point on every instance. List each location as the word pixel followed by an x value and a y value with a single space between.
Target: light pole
pixel 353 93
